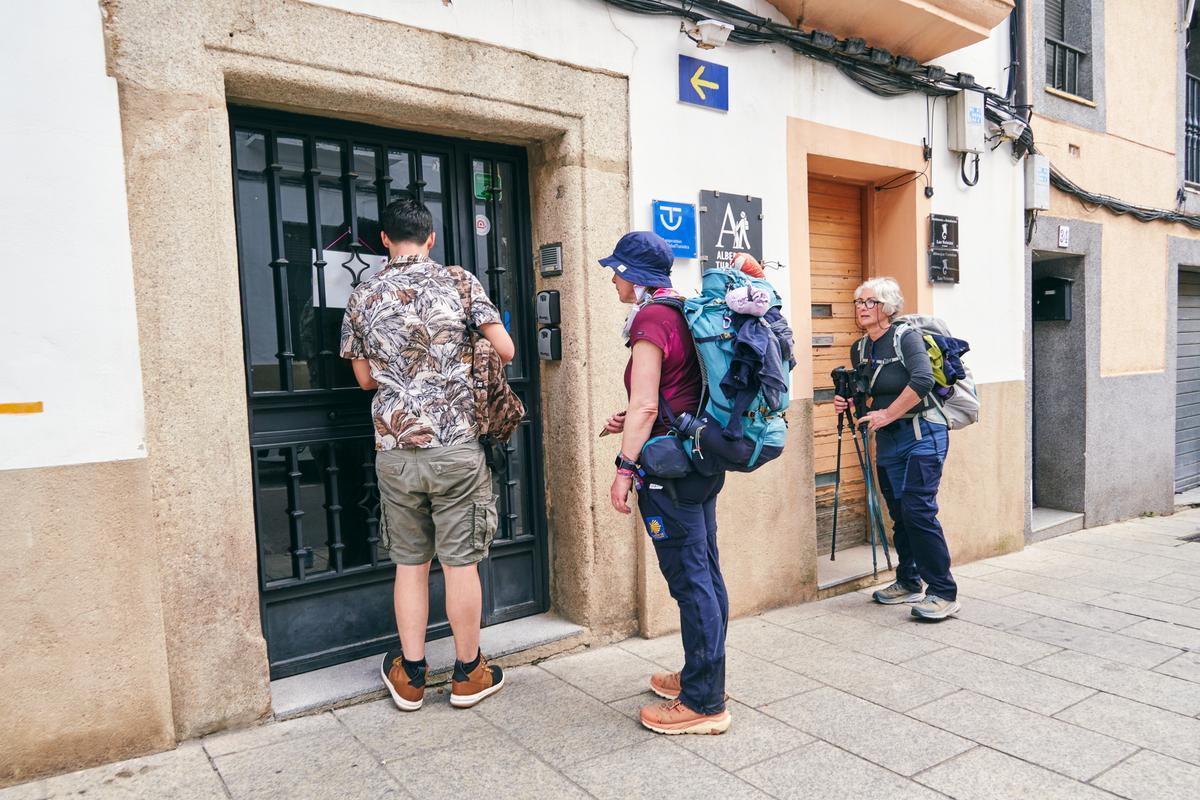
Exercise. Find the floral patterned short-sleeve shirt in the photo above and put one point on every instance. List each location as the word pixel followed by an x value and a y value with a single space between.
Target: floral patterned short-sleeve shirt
pixel 408 321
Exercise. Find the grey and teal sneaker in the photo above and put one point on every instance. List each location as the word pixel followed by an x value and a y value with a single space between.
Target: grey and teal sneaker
pixel 896 594
pixel 932 607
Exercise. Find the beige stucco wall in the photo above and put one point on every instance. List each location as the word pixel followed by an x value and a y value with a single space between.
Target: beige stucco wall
pixel 1139 72
pixel 177 64
pixel 982 496
pixel 83 663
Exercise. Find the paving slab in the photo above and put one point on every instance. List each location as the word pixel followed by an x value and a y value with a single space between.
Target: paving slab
pixel 1048 742
pixel 986 774
pixel 334 765
pixel 391 733
pixel 1153 590
pixel 1185 666
pixel 666 651
pixel 887 644
pixel 661 770
pixel 1150 609
pixel 869 678
pixel 1094 551
pixel 753 736
pixel 1146 726
pixel 820 770
pixel 1150 776
pixel 1181 579
pixel 793 614
pixel 1114 646
pixel 496 766
pixel 881 736
pixel 1161 566
pixel 606 673
pixel 222 744
pixel 860 606
pixel 984 641
pixel 1134 683
pixel 181 774
pixel 992 615
pixel 770 642
pixel 1011 684
pixel 975 569
pixel 557 722
pixel 1063 588
pixel 981 589
pixel 1090 614
pixel 1167 633
pixel 753 681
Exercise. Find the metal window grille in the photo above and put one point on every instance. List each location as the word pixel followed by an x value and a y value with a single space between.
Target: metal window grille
pixel 1062 66
pixel 1192 131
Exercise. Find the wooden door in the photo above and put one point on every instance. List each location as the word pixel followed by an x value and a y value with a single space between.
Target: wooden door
pixel 835 215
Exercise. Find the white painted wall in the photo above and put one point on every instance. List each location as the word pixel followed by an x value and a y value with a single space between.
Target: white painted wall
pixel 68 331
pixel 678 149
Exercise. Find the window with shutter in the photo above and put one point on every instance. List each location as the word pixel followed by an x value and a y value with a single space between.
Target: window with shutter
pixel 1068 40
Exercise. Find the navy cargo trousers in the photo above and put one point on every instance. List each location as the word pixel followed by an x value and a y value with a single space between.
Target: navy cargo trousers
pixel 681 519
pixel 909 472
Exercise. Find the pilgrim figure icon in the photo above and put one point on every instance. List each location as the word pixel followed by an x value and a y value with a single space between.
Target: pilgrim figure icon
pixel 739 229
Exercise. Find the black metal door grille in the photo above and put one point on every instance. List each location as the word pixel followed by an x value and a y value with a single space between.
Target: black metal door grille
pixel 308 193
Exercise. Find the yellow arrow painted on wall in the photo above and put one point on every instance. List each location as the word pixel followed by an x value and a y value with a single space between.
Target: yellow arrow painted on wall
pixel 700 85
pixel 21 408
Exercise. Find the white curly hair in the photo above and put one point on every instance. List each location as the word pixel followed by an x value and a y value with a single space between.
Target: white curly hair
pixel 885 290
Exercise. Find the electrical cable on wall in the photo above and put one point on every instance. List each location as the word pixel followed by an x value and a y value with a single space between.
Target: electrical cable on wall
pixel 888 75
pixel 963 169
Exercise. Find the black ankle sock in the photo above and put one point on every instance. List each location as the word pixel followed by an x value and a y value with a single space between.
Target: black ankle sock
pixel 412 668
pixel 469 666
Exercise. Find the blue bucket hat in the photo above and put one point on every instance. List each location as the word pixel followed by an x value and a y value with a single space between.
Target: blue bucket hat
pixel 643 258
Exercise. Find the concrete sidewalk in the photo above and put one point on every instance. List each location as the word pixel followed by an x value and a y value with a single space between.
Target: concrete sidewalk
pixel 1072 671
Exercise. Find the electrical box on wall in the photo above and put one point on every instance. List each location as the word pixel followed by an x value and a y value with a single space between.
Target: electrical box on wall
pixel 1052 299
pixel 964 122
pixel 1037 182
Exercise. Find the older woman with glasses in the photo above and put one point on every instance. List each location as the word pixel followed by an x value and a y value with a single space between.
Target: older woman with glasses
pixel 909 449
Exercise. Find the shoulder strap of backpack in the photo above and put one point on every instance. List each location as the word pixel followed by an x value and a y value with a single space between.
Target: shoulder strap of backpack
pixel 664 408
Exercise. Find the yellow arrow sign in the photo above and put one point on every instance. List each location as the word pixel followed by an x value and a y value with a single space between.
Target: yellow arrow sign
pixel 700 85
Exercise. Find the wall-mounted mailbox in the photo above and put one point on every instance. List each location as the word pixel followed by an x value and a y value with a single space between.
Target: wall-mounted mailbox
pixel 550 344
pixel 1052 299
pixel 548 308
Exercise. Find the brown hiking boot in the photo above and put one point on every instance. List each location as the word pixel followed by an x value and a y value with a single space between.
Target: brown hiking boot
pixel 665 684
pixel 408 692
pixel 673 717
pixel 469 688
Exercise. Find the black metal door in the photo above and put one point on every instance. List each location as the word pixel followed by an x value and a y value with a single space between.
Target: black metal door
pixel 308 193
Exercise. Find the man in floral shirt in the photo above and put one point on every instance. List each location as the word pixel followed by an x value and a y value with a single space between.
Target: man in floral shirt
pixel 406 331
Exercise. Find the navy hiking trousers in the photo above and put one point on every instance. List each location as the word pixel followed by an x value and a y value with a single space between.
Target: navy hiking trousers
pixel 681 519
pixel 909 471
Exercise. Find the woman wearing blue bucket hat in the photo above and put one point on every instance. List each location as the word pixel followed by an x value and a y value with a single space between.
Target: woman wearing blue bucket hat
pixel 680 514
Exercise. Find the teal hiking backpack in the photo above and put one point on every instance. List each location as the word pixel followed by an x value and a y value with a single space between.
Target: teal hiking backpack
pixel 710 437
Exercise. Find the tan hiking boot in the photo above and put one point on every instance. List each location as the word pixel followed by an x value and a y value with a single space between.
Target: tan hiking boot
pixel 666 685
pixel 673 717
pixel 408 692
pixel 470 688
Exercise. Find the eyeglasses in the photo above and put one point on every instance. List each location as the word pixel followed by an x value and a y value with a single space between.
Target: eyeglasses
pixel 868 304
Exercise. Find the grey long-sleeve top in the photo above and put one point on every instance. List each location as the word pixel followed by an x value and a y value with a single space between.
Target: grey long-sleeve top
pixel 894 377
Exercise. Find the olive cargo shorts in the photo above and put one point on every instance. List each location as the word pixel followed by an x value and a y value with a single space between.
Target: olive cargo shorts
pixel 436 499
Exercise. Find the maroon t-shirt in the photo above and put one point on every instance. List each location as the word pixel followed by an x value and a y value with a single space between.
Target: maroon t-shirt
pixel 681 383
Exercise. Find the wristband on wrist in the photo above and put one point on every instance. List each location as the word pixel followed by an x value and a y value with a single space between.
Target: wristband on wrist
pixel 625 465
pixel 625 473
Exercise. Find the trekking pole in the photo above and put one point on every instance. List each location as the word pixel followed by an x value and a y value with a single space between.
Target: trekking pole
pixel 870 496
pixel 837 487
pixel 874 502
